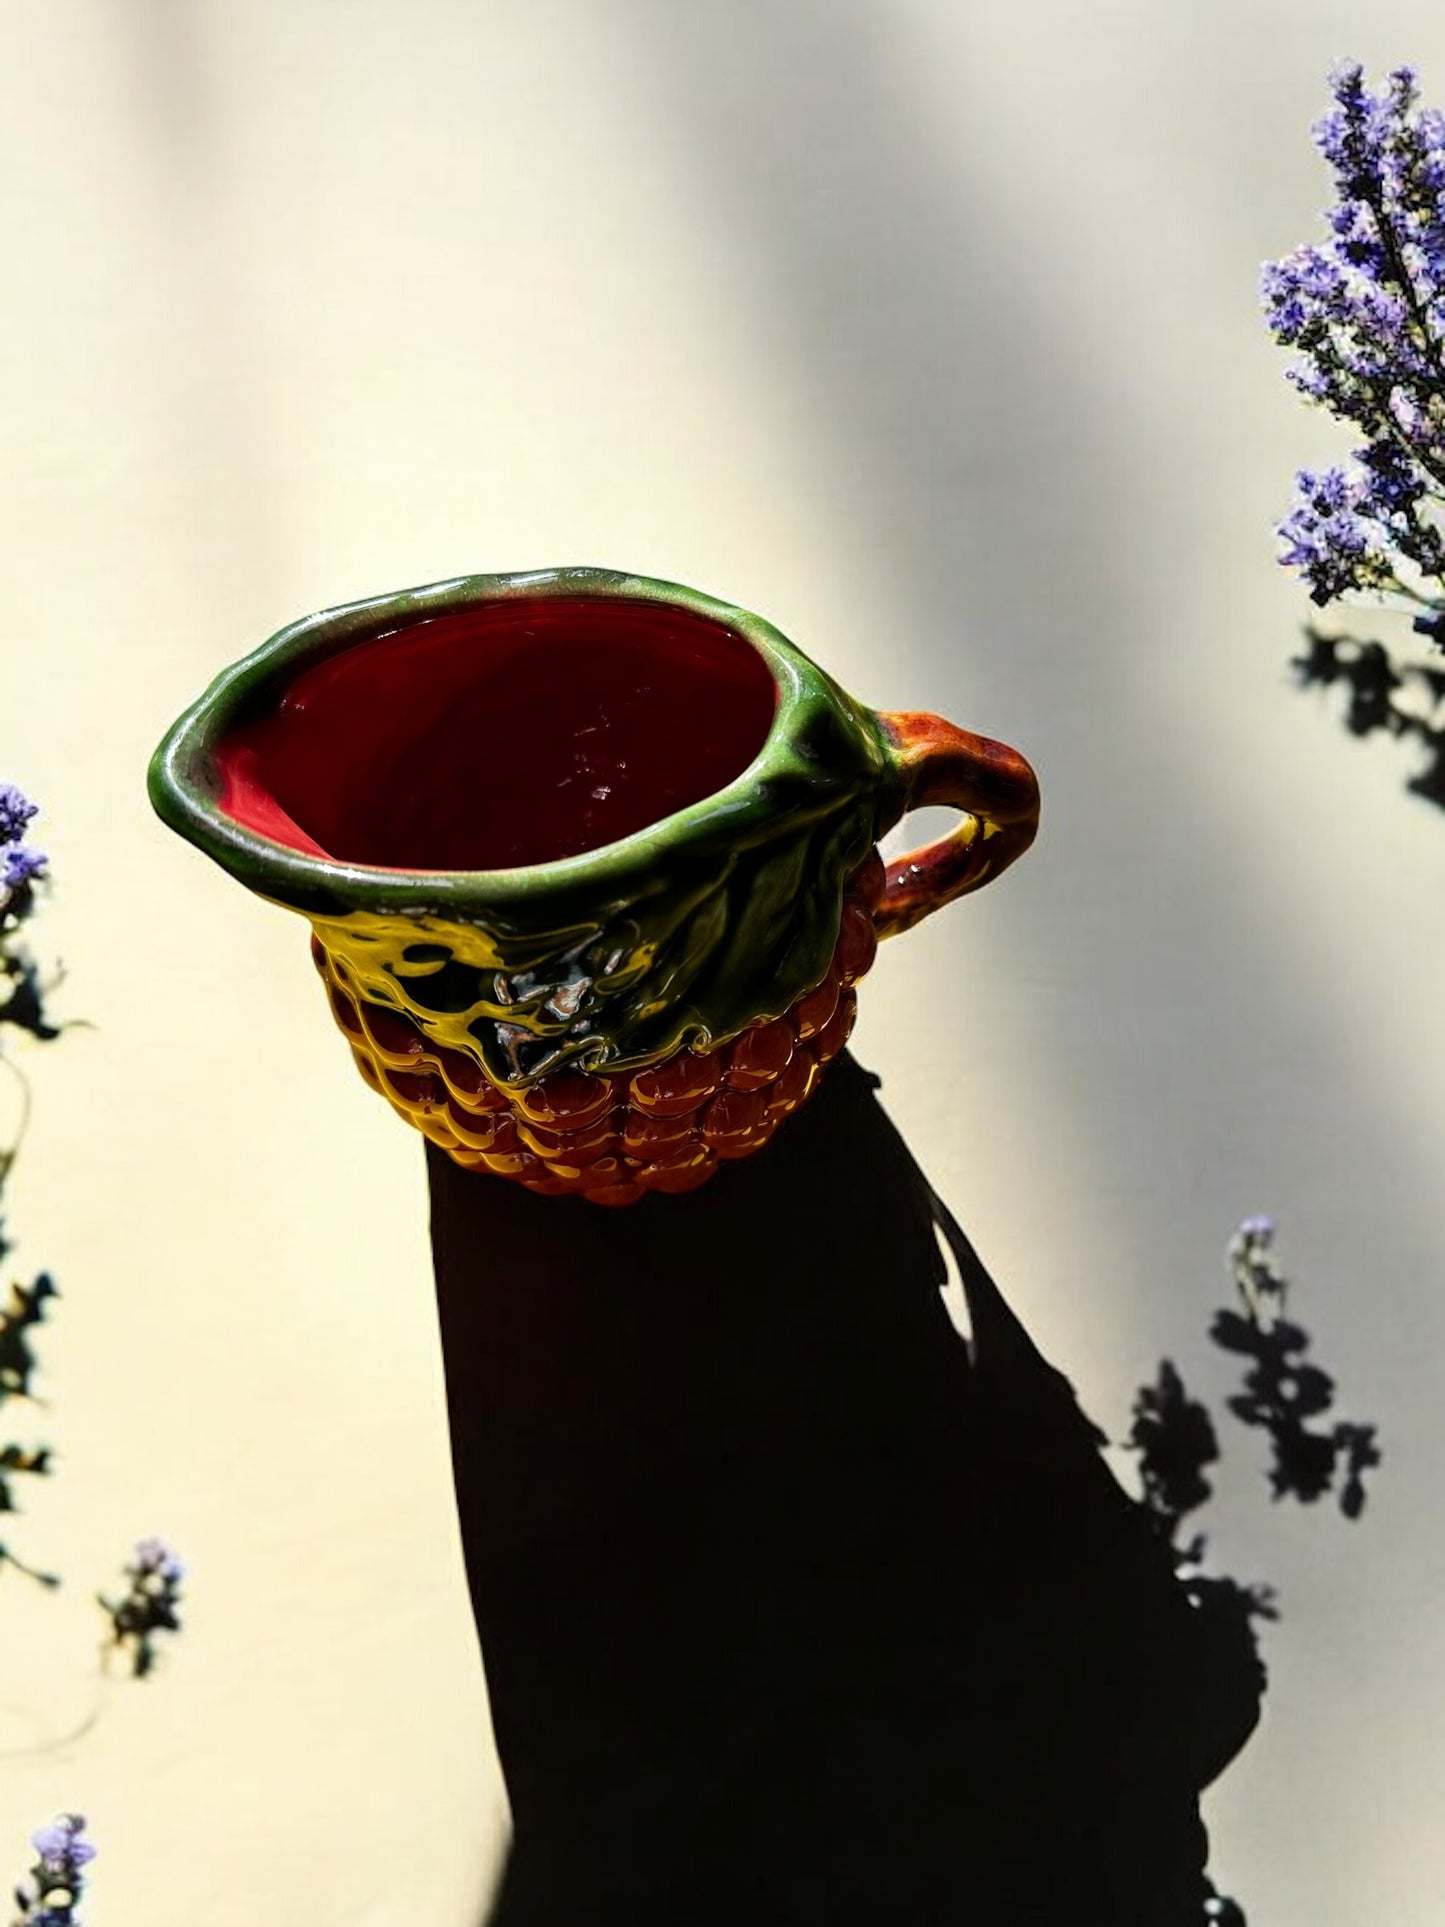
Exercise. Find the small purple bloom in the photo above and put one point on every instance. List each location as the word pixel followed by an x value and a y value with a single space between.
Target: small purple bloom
pixel 154 1556
pixel 16 810
pixel 20 866
pixel 57 1880
pixel 150 1606
pixel 1392 482
pixel 1328 536
pixel 51 1842
pixel 1259 1229
pixel 60 1845
pixel 1357 237
pixel 1260 1283
pixel 1303 291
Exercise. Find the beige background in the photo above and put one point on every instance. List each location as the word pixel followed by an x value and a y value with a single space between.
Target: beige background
pixel 929 331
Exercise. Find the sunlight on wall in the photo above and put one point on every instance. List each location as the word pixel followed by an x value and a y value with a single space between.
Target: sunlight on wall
pixel 930 334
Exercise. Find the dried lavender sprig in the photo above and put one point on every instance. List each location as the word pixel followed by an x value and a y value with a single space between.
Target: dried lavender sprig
pixel 18 865
pixel 57 1879
pixel 148 1607
pixel 1257 1277
pixel 22 995
pixel 1366 312
pixel 16 811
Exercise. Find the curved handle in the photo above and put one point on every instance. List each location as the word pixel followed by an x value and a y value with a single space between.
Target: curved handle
pixel 994 787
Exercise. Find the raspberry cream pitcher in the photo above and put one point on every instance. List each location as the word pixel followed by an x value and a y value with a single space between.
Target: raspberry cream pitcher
pixel 589 860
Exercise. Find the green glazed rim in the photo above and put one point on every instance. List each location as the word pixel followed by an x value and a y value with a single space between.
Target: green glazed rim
pixel 687 930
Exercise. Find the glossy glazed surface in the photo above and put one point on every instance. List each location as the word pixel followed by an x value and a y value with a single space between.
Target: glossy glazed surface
pixel 681 933
pixel 670 816
pixel 610 1139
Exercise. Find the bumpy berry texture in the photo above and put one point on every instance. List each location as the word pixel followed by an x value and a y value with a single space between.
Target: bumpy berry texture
pixel 610 1138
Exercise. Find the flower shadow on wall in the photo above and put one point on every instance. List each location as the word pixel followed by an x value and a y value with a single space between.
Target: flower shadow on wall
pixel 22 1008
pixel 795 1605
pixel 1285 1395
pixel 150 1604
pixel 1365 313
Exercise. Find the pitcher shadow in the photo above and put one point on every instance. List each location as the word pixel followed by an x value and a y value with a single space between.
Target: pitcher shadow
pixel 794 1604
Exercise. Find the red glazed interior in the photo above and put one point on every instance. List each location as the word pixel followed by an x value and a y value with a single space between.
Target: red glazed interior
pixel 516 733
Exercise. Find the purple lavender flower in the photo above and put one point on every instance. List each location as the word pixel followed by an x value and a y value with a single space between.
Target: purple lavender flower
pixel 60 1846
pixel 1257 1230
pixel 1329 536
pixel 1392 482
pixel 16 810
pixel 17 865
pixel 149 1606
pixel 1258 1279
pixel 56 1877
pixel 1365 311
pixel 21 866
pixel 153 1556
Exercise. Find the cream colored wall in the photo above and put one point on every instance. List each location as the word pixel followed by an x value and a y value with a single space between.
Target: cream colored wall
pixel 928 331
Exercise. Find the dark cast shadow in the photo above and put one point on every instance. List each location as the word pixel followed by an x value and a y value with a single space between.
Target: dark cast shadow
pixel 1387 692
pixel 796 1606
